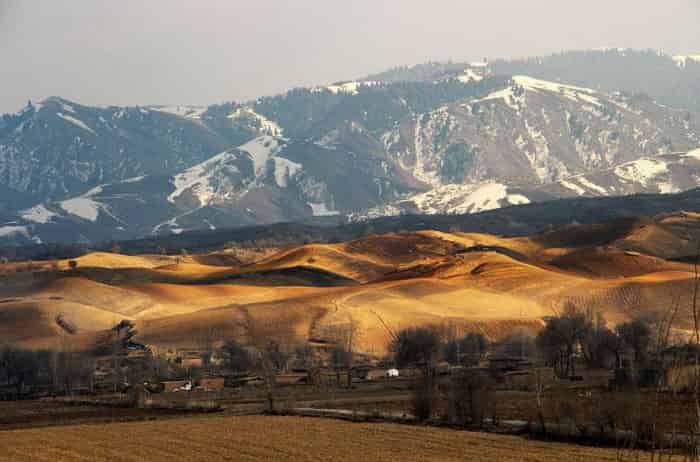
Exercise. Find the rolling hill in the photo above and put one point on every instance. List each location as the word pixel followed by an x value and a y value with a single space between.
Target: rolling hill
pixel 375 285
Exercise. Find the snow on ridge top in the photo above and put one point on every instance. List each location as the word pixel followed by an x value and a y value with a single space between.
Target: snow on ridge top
pixel 350 88
pixel 641 170
pixel 76 122
pixel 267 126
pixel 188 112
pixel 682 60
pixel 38 214
pixel 506 94
pixel 571 92
pixel 532 83
pixel 470 76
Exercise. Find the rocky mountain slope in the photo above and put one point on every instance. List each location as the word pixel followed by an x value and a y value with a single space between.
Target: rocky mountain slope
pixel 449 139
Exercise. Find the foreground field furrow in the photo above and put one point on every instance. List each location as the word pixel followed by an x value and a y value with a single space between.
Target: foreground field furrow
pixel 277 438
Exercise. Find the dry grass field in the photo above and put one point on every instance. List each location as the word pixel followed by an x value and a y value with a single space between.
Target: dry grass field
pixel 278 438
pixel 380 284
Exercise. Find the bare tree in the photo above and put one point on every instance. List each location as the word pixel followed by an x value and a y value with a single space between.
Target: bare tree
pixel 235 357
pixel 637 335
pixel 469 349
pixel 419 346
pixel 559 338
pixel 342 355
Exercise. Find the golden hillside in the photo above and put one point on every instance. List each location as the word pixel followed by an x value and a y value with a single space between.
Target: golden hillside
pixel 378 284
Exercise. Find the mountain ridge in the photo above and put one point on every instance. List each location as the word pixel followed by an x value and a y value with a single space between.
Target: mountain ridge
pixel 468 141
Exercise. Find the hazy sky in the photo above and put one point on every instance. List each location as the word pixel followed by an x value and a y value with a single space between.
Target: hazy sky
pixel 131 52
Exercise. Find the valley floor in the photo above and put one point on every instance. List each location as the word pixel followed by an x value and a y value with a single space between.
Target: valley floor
pixel 275 438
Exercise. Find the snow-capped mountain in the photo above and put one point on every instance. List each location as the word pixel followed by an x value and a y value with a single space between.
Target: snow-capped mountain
pixel 455 138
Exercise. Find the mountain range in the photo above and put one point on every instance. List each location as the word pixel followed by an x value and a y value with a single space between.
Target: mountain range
pixel 439 138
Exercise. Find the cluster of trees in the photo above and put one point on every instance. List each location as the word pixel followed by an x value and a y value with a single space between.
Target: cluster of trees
pixel 578 334
pixel 467 393
pixel 25 372
pixel 572 337
pixel 424 346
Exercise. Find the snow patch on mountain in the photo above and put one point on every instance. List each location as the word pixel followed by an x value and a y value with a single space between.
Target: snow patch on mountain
pixel 76 122
pixel 470 76
pixel 320 209
pixel 267 126
pixel 82 207
pixel 13 230
pixel 571 92
pixel 539 159
pixel 668 188
pixel 573 187
pixel 188 112
pixel 682 60
pixel 694 154
pixel 506 94
pixel 449 199
pixel 196 179
pixel 641 171
pixel 260 150
pixel 134 179
pixel 349 88
pixel 285 169
pixel 38 214
pixel 517 199
pixel 592 186
pixel 94 191
pixel 457 198
pixel 209 180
